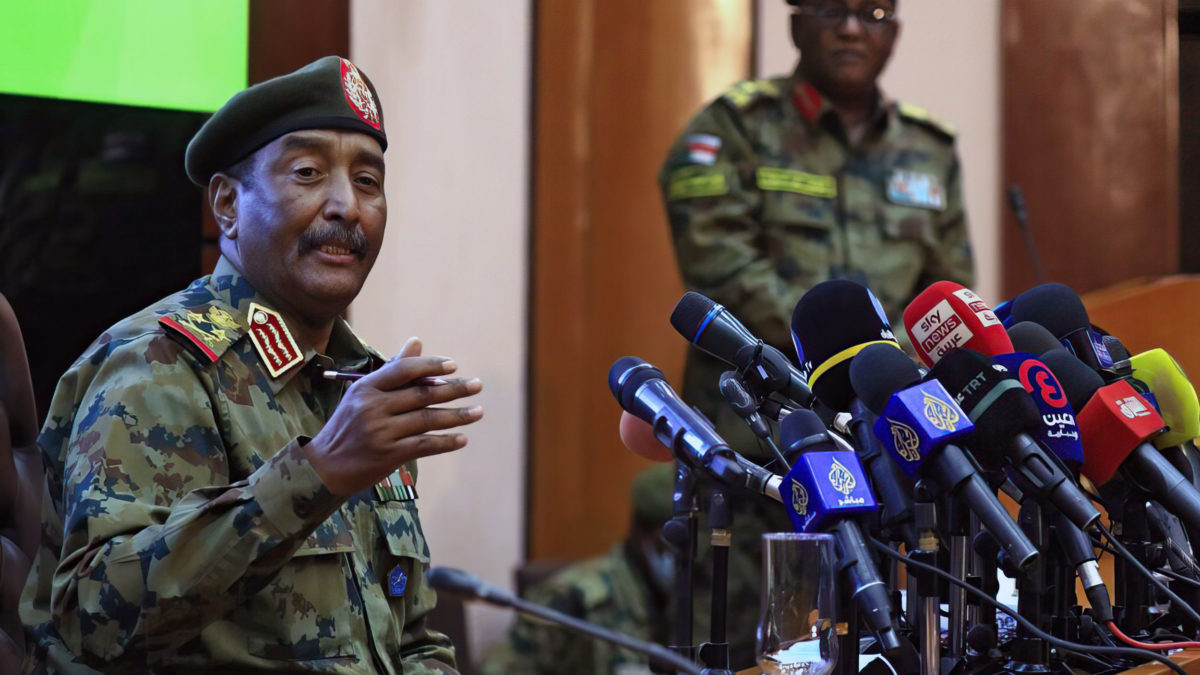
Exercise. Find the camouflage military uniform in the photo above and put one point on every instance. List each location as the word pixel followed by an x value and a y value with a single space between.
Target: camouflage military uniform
pixel 766 198
pixel 185 531
pixel 608 591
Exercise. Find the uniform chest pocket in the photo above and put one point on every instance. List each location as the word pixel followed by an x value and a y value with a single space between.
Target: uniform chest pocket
pixel 400 528
pixel 799 219
pixel 908 223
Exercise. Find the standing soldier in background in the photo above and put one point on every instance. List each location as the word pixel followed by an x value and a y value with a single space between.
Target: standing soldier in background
pixel 783 183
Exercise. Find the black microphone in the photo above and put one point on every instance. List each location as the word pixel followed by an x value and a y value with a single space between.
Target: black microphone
pixel 717 332
pixel 470 587
pixel 1059 309
pixel 831 323
pixel 1004 417
pixel 642 391
pixel 916 424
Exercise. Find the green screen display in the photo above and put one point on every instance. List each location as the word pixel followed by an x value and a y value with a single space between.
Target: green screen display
pixel 180 54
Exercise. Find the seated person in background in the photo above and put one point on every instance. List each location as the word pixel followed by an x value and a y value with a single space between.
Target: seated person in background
pixel 215 503
pixel 626 589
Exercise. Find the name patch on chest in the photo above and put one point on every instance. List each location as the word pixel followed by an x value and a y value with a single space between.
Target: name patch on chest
pixel 914 188
pixel 800 182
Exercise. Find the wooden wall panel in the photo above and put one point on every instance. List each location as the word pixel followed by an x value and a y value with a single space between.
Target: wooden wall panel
pixel 1090 132
pixel 615 81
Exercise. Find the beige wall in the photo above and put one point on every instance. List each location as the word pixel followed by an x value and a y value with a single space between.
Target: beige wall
pixel 947 61
pixel 453 78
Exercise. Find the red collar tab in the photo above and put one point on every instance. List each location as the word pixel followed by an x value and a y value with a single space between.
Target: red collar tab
pixel 273 340
pixel 808 101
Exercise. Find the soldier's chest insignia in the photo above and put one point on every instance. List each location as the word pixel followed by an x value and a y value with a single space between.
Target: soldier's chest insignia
pixel 397 582
pixel 397 487
pixel 272 340
pixel 914 188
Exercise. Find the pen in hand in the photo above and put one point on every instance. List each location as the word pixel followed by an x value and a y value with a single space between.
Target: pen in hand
pixel 351 377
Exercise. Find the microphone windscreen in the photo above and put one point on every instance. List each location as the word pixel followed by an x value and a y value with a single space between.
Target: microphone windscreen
pixel 832 322
pixel 690 313
pixel 801 430
pixel 1054 306
pixel 638 436
pixel 1078 381
pixel 880 371
pixel 994 400
pixel 947 315
pixel 627 374
pixel 1032 338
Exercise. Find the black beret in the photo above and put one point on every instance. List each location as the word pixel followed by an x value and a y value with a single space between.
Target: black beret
pixel 329 93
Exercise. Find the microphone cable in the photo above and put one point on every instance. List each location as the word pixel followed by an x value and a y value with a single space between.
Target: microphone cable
pixel 1071 647
pixel 1175 599
pixel 1162 570
pixel 1149 645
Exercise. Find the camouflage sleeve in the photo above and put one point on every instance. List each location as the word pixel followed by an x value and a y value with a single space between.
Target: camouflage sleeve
pixel 951 259
pixel 157 543
pixel 714 207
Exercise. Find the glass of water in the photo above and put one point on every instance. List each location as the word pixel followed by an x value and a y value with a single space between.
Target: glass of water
pixel 797 628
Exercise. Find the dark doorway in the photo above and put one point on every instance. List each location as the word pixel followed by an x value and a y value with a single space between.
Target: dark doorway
pixel 1189 136
pixel 97 220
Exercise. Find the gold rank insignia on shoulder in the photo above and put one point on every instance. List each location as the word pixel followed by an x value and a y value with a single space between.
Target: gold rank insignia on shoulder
pixel 210 330
pixel 918 114
pixel 746 92
pixel 397 487
pixel 273 340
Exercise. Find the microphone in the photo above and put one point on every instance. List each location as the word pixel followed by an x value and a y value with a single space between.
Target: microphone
pixel 642 390
pixel 718 333
pixel 826 489
pixel 951 325
pixel 1059 430
pixel 831 323
pixel 1060 310
pixel 945 316
pixel 1174 393
pixel 1004 416
pixel 1033 338
pixel 1115 422
pixel 470 587
pixel 917 424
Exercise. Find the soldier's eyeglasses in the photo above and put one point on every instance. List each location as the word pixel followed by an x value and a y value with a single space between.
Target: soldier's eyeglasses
pixel 832 14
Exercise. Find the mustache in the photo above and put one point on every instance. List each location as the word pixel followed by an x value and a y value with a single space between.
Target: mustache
pixel 330 234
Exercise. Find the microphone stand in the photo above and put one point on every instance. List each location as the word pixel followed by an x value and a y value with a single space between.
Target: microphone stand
pixel 714 654
pixel 1035 591
pixel 680 534
pixel 1132 597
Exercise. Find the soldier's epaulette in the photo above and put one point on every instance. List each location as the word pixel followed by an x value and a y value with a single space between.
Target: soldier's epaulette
pixel 914 113
pixel 206 330
pixel 748 92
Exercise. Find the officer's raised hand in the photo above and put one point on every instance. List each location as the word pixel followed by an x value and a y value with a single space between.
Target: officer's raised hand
pixel 386 419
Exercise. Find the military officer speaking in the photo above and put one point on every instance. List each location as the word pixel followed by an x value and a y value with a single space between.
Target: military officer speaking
pixel 217 501
pixel 785 182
